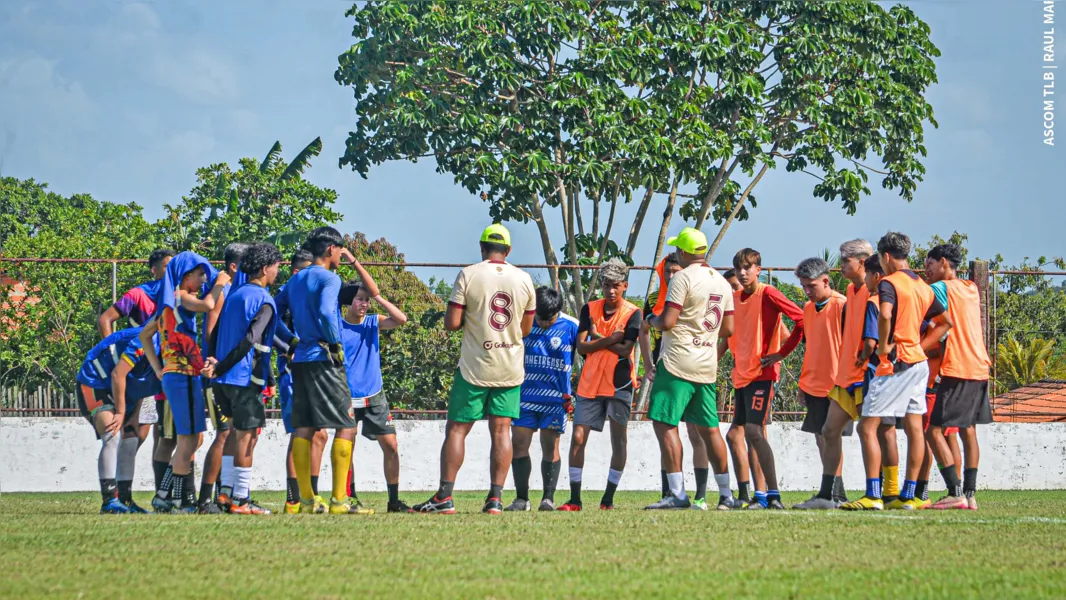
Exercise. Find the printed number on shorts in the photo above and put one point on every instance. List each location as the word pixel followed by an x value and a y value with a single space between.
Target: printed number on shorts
pixel 713 315
pixel 500 311
pixel 757 402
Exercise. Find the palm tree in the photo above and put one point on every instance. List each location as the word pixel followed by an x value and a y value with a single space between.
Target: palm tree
pixel 836 279
pixel 1020 363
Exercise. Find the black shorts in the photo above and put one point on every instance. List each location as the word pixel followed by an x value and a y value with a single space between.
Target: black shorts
pixel 752 403
pixel 320 396
pixel 376 420
pixel 818 413
pixel 241 406
pixel 165 420
pixel 92 401
pixel 961 403
pixel 896 422
pixel 219 420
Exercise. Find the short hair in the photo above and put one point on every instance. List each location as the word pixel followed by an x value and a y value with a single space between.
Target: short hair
pixel 894 244
pixel 746 257
pixel 873 265
pixel 494 248
pixel 671 259
pixel 349 291
pixel 614 270
pixel 857 248
pixel 812 268
pixel 158 255
pixel 321 239
pixel 233 253
pixel 949 252
pixel 549 302
pixel 258 256
pixel 729 274
pixel 301 257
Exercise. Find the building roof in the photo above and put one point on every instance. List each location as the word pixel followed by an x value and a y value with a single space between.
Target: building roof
pixel 1040 402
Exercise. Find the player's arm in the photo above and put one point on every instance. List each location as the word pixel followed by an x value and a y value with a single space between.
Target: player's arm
pixel 630 333
pixel 105 323
pixel 150 328
pixel 211 320
pixel 118 392
pixel 787 308
pixel 453 316
pixel 530 309
pixel 886 297
pixel 396 317
pixel 588 339
pixel 645 346
pixel 208 302
pixel 668 319
pixel 941 324
pixel 726 330
pixel 218 367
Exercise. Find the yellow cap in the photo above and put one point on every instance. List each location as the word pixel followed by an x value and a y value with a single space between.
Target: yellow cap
pixel 496 234
pixel 690 240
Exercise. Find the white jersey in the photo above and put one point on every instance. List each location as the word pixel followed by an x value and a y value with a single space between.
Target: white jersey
pixel 690 349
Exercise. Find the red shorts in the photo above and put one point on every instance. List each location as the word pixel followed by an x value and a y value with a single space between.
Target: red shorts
pixel 930 401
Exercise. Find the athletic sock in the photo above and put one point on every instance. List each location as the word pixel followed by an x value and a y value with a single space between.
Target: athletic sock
pixel 677 485
pixel 394 492
pixel 575 485
pixel 177 485
pixel 445 490
pixel 550 477
pixel 159 469
pixel 772 495
pixel 921 491
pixel 292 490
pixel 743 490
pixel 227 477
pixel 826 492
pixel 760 497
pixel 127 461
pixel 613 477
pixel 522 468
pixel 969 482
pixel 909 488
pixel 108 489
pixel 107 465
pixel 951 480
pixel 665 483
pixel 189 490
pixel 166 484
pixel 242 486
pixel 722 479
pixel 125 491
pixel 206 493
pixel 301 461
pixel 350 486
pixel 890 487
pixel 839 493
pixel 873 487
pixel 314 484
pixel 341 457
pixel 701 483
pixel 495 491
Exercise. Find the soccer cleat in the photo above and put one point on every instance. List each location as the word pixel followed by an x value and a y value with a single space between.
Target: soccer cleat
pixel 951 502
pixel 670 503
pixel 209 508
pixel 894 504
pixel 971 502
pixel 817 503
pixel 754 505
pixel 546 505
pixel 248 507
pixel 320 505
pixel 310 507
pixel 436 507
pixel 292 508
pixel 224 502
pixel 864 503
pixel 570 507
pixel 399 507
pixel 493 506
pixel 910 504
pixel 345 507
pixel 923 503
pixel 134 508
pixel 164 506
pixel 519 505
pixel 699 504
pixel 114 507
pixel 606 506
pixel 775 504
pixel 188 510
pixel 730 503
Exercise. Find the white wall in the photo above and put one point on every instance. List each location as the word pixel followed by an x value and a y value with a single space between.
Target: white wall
pixel 59 454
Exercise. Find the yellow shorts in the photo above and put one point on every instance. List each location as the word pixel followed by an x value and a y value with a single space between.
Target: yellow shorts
pixel 850 402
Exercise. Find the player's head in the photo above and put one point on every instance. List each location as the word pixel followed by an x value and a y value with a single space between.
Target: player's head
pixel 893 249
pixel 731 277
pixel 325 243
pixel 300 260
pixel 614 280
pixel 670 266
pixel 158 260
pixel 747 263
pixel 549 305
pixel 691 246
pixel 495 242
pixel 261 261
pixel 853 255
pixel 874 273
pixel 355 298
pixel 813 274
pixel 231 256
pixel 942 262
pixel 193 281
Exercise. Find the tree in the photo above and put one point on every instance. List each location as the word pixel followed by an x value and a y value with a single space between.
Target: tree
pixel 262 200
pixel 539 105
pixel 1020 363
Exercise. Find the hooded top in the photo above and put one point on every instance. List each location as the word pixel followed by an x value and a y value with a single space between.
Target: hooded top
pixel 177 326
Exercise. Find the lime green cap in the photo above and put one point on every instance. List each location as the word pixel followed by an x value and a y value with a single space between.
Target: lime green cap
pixel 496 234
pixel 689 240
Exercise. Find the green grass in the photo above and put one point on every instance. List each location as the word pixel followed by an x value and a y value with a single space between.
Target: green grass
pixel 1015 546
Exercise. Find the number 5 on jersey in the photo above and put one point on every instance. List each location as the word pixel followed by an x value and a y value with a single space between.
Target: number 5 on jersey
pixel 712 317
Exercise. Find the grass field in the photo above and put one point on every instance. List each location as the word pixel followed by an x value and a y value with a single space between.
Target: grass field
pixel 1015 546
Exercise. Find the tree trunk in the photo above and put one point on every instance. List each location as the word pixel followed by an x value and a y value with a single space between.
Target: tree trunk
pixel 638 221
pixel 545 241
pixel 736 210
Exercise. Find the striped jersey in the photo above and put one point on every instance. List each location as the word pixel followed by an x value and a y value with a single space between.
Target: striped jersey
pixel 549 361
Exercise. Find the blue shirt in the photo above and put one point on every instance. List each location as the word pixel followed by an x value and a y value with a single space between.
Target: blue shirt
pixel 549 361
pixel 282 332
pixel 311 297
pixel 141 382
pixel 96 369
pixel 362 356
pixel 870 332
pixel 238 324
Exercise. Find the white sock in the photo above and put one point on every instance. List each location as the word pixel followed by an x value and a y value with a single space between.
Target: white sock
pixel 228 473
pixel 107 463
pixel 614 476
pixel 677 485
pixel 242 487
pixel 575 474
pixel 127 458
pixel 723 485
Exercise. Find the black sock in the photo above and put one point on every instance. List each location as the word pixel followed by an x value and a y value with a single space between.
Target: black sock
pixel 108 489
pixel 189 490
pixel 522 468
pixel 921 491
pixel 495 491
pixel 825 492
pixel 445 490
pixel 546 476
pixel 951 480
pixel 314 484
pixel 159 469
pixel 969 482
pixel 701 483
pixel 665 483
pixel 575 493
pixel 207 493
pixel 742 491
pixel 166 485
pixel 177 485
pixel 608 494
pixel 125 491
pixel 394 492
pixel 839 493
pixel 292 490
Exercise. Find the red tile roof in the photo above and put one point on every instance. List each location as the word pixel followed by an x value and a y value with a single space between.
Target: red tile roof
pixel 1040 402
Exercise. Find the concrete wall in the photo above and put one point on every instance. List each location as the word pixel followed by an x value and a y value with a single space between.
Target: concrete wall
pixel 59 454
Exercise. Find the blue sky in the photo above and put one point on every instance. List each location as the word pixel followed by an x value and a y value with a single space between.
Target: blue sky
pixel 124 100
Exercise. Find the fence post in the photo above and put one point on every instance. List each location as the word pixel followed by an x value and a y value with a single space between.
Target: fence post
pixel 114 281
pixel 979 275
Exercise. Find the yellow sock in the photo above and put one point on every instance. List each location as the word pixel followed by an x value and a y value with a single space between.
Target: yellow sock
pixel 301 461
pixel 890 487
pixel 341 455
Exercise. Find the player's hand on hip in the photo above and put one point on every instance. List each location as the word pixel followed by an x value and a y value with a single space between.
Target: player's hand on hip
pixel 770 360
pixel 336 354
pixel 649 373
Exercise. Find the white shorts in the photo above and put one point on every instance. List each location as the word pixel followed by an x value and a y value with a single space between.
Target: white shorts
pixel 899 394
pixel 148 415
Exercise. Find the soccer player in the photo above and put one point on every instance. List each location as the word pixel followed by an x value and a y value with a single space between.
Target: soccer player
pixel 546 397
pixel 360 335
pixel 607 334
pixel 133 379
pixel 898 386
pixel 756 351
pixel 177 307
pixel 240 368
pixel 493 304
pixel 137 304
pixel 698 311
pixel 745 461
pixel 823 316
pixel 320 398
pixel 962 397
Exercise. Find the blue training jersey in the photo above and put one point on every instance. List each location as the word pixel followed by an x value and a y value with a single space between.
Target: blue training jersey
pixel 235 324
pixel 362 356
pixel 141 382
pixel 101 361
pixel 311 296
pixel 549 362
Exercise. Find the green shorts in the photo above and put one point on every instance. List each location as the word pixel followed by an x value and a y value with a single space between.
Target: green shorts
pixel 674 400
pixel 468 403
